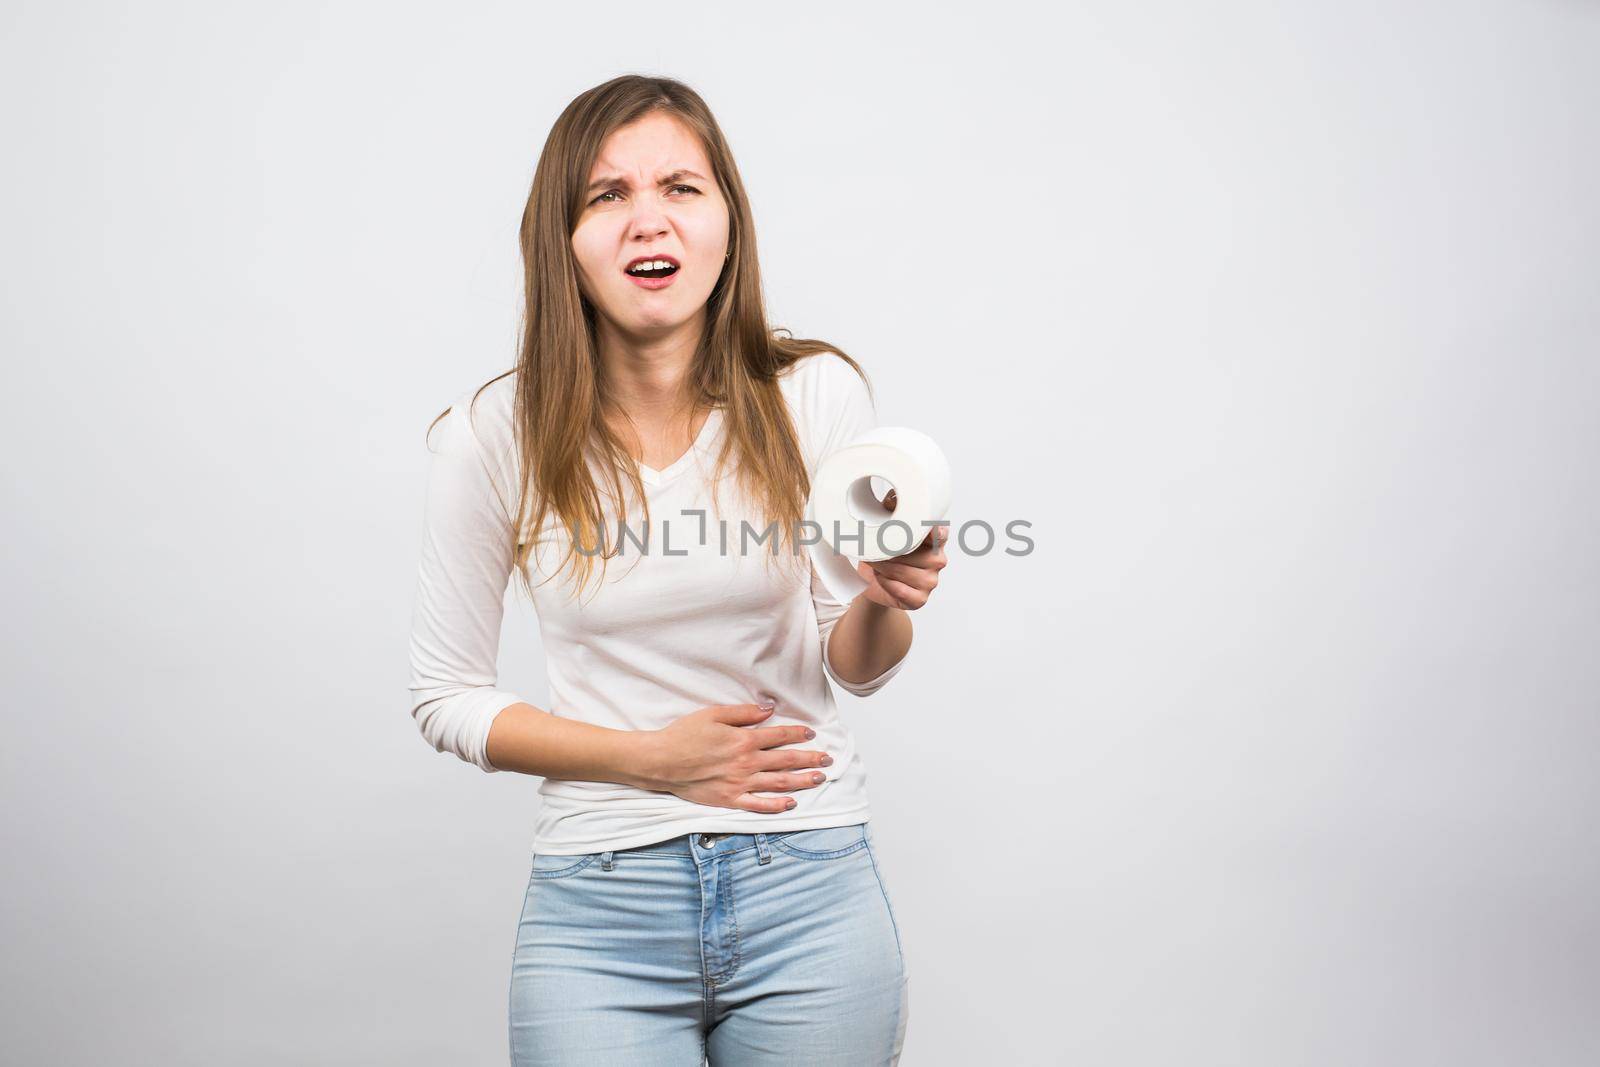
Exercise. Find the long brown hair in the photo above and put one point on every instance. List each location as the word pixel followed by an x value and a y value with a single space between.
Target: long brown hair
pixel 560 398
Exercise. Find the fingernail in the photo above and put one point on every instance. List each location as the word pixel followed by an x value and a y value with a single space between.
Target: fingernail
pixel 810 733
pixel 827 761
pixel 766 705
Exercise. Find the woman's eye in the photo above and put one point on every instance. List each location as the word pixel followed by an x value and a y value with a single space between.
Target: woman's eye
pixel 601 199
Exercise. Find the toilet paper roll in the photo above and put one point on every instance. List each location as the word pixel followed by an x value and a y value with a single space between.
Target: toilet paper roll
pixel 843 505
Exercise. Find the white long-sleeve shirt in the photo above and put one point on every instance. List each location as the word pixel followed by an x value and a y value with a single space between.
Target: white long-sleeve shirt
pixel 675 627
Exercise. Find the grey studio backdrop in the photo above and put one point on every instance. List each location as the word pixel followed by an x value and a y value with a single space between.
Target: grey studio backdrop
pixel 1277 321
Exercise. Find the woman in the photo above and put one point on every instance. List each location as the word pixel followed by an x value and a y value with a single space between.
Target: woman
pixel 703 882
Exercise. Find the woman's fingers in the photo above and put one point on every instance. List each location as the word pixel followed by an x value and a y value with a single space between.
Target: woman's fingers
pixel 765 805
pixel 777 782
pixel 782 781
pixel 792 759
pixel 906 581
pixel 920 578
pixel 904 597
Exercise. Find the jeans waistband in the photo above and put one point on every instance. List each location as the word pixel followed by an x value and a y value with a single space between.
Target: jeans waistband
pixel 702 844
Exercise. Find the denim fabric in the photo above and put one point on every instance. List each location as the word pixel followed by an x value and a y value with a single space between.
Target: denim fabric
pixel 736 949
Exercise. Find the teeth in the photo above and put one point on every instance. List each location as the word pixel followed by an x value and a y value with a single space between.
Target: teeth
pixel 654 264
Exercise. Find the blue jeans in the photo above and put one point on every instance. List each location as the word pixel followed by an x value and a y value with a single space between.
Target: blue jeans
pixel 739 949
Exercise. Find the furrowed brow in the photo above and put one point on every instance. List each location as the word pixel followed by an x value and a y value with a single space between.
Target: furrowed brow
pixel 617 179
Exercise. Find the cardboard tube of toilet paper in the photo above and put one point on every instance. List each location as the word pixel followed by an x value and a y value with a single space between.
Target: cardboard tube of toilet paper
pixel 854 523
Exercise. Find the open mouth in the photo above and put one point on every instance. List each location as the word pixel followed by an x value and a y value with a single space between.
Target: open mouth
pixel 650 267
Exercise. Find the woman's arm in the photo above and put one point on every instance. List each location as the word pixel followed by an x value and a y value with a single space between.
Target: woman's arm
pixel 866 645
pixel 719 755
pixel 460 594
pixel 867 640
pixel 524 738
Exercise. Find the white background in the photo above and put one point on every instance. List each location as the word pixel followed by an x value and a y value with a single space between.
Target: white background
pixel 1277 320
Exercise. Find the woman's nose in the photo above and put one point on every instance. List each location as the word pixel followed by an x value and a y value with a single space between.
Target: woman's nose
pixel 647 222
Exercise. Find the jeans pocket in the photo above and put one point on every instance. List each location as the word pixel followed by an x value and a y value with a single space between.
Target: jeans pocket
pixel 548 866
pixel 827 843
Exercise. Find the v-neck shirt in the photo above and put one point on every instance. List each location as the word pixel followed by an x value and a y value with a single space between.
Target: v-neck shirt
pixel 708 431
pixel 696 610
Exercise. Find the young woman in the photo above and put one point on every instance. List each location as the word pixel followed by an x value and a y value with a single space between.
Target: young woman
pixel 704 883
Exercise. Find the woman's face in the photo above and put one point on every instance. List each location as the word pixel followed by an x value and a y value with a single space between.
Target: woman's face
pixel 652 197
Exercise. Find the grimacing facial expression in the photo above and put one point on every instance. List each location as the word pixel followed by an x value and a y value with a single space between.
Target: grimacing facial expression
pixel 652 204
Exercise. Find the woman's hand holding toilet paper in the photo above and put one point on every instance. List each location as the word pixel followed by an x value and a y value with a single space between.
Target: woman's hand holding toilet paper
pixel 906 581
pixel 852 555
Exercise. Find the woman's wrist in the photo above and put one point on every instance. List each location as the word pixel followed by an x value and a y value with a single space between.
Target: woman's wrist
pixel 639 759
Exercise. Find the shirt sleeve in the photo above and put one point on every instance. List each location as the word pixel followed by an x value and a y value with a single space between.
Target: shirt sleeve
pixel 467 555
pixel 846 412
